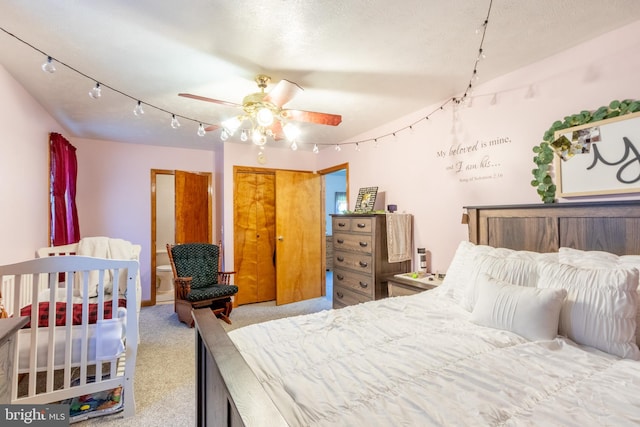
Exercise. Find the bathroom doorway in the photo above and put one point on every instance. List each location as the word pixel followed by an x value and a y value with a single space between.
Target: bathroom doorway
pixel 181 212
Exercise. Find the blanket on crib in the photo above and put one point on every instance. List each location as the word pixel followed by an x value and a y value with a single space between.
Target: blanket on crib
pixel 61 312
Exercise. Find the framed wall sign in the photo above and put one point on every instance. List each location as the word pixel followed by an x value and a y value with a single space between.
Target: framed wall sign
pixel 366 199
pixel 599 158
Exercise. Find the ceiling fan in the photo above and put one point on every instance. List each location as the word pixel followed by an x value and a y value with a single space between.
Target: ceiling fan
pixel 265 112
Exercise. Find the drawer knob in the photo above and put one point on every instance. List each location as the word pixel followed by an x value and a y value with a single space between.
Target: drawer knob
pixel 342 224
pixel 339 277
pixel 364 285
pixel 339 294
pixel 361 225
pixel 363 264
pixel 341 241
pixel 340 259
pixel 364 244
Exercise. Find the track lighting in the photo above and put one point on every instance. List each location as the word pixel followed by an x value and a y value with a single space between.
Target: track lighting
pixel 294 146
pixel 244 136
pixel 174 122
pixel 315 149
pixel 48 66
pixel 338 148
pixel 201 131
pixel 96 92
pixel 138 111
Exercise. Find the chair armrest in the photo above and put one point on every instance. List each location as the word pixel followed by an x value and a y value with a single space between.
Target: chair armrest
pixel 224 277
pixel 183 286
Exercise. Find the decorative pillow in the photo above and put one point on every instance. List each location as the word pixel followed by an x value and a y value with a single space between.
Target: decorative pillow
pixel 530 312
pixel 600 259
pixel 461 268
pixel 600 308
pixel 517 267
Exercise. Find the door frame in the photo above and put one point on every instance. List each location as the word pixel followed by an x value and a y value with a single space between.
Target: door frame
pixel 154 174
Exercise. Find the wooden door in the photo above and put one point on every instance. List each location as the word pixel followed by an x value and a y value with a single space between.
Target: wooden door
pixel 254 236
pixel 299 236
pixel 193 207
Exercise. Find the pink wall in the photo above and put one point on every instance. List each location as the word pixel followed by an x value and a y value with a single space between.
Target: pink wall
pixel 417 169
pixel 24 166
pixel 114 191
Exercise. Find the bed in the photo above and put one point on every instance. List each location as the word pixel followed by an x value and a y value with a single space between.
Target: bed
pixel 63 353
pixel 514 336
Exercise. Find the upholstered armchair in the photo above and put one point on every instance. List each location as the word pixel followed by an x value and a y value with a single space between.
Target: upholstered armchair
pixel 198 283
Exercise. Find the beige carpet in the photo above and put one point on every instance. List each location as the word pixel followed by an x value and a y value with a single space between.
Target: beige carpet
pixel 165 370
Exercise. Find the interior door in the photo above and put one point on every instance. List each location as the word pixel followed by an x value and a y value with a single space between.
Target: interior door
pixel 299 236
pixel 193 207
pixel 254 235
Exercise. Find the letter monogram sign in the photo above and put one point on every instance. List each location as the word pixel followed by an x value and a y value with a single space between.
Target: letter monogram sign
pixel 603 157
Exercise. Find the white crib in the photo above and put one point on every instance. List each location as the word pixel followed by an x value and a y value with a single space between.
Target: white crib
pixel 81 351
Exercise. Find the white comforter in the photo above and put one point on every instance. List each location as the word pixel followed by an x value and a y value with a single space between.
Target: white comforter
pixel 418 361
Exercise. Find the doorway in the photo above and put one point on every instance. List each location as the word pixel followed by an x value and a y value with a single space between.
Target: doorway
pixel 181 212
pixel 336 193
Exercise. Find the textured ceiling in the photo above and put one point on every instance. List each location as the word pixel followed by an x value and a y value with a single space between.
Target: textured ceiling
pixel 371 61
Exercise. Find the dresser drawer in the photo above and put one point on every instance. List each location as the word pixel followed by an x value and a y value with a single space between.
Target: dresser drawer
pixel 358 225
pixel 362 283
pixel 361 263
pixel 353 242
pixel 343 296
pixel 341 224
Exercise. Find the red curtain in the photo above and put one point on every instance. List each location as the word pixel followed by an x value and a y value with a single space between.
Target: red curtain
pixel 63 173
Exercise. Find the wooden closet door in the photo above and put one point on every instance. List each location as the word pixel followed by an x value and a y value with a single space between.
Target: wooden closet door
pixel 299 231
pixel 254 236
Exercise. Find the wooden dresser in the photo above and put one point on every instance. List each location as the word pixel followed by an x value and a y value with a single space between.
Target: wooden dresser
pixel 360 259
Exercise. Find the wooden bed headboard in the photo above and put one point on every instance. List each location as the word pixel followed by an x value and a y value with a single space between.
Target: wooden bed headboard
pixel 598 226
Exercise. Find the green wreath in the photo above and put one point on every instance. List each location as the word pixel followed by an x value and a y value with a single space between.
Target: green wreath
pixel 544 153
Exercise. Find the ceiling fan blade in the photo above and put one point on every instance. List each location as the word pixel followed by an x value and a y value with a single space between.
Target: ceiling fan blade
pixel 283 92
pixel 313 117
pixel 276 128
pixel 211 128
pixel 215 101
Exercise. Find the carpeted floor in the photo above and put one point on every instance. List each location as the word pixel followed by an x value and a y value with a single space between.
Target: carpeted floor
pixel 165 370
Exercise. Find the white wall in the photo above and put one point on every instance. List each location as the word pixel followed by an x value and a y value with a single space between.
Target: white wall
pixel 413 176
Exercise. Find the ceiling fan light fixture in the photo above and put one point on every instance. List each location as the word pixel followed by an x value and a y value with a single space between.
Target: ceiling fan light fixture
pixel 291 132
pixel 264 117
pixel 259 138
pixel 231 125
pixel 48 66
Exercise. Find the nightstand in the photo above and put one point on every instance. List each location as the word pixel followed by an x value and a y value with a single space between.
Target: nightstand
pixel 405 284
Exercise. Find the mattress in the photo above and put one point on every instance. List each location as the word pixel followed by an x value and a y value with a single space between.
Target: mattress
pixel 418 360
pixel 105 340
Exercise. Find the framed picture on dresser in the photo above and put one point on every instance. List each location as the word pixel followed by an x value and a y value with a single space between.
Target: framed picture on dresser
pixel 366 199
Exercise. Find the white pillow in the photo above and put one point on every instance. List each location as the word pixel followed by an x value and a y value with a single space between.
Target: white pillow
pixel 462 266
pixel 530 312
pixel 600 259
pixel 516 267
pixel 600 308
